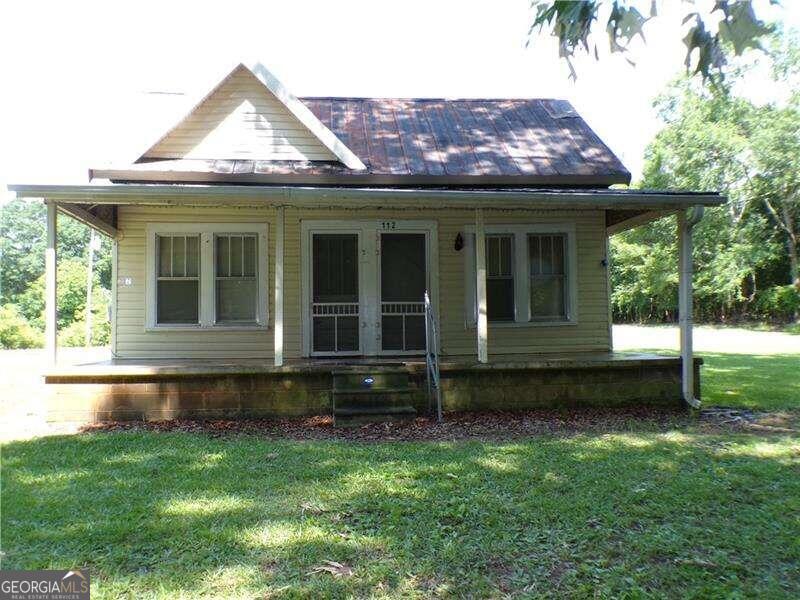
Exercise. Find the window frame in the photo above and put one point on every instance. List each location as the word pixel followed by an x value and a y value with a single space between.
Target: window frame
pixel 207 274
pixel 522 309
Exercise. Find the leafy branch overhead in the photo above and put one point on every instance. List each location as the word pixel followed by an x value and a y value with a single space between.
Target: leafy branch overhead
pixel 735 26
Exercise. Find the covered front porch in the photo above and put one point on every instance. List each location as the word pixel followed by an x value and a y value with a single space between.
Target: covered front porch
pixel 164 389
pixel 492 376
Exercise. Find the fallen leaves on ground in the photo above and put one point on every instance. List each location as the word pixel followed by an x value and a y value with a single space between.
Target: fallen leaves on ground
pixel 494 425
pixel 334 568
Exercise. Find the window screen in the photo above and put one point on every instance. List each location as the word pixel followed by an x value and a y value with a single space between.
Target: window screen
pixel 547 255
pixel 500 277
pixel 236 280
pixel 178 280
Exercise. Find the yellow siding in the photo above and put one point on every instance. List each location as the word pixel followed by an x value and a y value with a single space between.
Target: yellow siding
pixel 590 333
pixel 132 339
pixel 241 119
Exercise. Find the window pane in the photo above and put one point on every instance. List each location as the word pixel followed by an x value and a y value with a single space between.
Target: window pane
pixel 547 297
pixel 236 300
pixel 500 299
pixel 192 256
pixel 250 252
pixel 223 256
pixel 499 255
pixel 164 243
pixel 177 301
pixel 236 255
pixel 558 254
pixel 178 256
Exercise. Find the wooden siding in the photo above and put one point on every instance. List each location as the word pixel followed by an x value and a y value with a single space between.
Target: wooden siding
pixel 591 333
pixel 244 120
pixel 131 337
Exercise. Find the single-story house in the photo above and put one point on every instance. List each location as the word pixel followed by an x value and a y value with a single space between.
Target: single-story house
pixel 375 257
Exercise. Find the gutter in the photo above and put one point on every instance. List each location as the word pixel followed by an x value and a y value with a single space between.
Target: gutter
pixel 342 197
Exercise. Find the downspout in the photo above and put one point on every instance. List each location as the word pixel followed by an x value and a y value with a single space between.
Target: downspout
pixel 686 223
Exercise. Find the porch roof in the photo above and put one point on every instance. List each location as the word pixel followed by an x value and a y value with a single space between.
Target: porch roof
pixel 344 197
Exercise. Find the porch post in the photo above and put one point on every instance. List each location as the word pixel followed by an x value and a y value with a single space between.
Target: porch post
pixel 480 287
pixel 50 335
pixel 685 318
pixel 278 350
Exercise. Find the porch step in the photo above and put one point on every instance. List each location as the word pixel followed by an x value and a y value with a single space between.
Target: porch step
pixel 371 396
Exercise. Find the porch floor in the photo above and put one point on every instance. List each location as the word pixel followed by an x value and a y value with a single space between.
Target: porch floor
pixel 130 369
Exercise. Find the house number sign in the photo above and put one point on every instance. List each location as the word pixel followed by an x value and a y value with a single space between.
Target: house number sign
pixel 388 225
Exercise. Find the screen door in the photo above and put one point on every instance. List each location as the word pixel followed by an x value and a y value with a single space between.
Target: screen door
pixel 403 280
pixel 335 310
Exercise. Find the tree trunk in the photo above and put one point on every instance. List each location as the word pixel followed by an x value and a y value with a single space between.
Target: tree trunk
pixel 791 247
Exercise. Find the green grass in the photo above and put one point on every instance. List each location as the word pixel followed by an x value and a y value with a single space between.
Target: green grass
pixel 761 382
pixel 632 514
pixel 769 382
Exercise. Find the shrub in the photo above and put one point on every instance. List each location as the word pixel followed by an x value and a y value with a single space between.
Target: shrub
pixel 777 303
pixel 16 332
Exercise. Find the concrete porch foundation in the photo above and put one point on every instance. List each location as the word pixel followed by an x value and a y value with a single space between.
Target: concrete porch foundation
pixel 196 389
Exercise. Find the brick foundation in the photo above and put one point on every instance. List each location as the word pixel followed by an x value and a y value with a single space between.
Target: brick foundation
pixel 500 386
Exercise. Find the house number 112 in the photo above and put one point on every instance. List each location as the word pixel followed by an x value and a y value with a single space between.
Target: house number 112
pixel 388 225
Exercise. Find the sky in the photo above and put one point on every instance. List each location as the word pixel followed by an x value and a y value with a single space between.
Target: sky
pixel 89 83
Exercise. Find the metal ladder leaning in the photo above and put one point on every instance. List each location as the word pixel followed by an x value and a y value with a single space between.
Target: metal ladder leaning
pixel 432 358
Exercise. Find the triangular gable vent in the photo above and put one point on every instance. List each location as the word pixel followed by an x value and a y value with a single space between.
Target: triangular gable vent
pixel 251 115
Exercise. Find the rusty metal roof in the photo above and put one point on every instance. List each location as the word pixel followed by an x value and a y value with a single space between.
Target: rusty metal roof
pixel 423 141
pixel 527 137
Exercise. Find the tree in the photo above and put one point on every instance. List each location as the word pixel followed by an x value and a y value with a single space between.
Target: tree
pixel 22 246
pixel 713 140
pixel 707 47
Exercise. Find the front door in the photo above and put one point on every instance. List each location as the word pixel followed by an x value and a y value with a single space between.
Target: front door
pixel 403 281
pixel 364 286
pixel 335 306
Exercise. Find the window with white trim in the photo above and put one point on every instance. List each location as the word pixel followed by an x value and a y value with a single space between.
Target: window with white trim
pixel 531 274
pixel 206 275
pixel 178 279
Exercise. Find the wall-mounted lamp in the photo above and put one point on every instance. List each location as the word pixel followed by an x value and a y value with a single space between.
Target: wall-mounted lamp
pixel 459 243
pixel 604 262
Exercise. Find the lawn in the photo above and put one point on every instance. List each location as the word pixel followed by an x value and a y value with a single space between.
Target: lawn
pixel 679 509
pixel 755 381
pixel 681 513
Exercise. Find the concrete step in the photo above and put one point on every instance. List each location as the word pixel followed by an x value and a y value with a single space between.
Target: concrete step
pixel 350 416
pixel 369 380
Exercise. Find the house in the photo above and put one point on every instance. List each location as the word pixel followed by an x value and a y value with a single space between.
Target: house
pixel 276 255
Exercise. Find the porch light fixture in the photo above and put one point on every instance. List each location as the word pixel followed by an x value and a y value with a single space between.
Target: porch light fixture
pixel 459 244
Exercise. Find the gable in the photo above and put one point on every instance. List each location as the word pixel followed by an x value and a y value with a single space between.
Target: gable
pixel 242 119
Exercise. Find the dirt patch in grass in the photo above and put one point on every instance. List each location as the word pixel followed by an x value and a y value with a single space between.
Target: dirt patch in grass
pixel 476 425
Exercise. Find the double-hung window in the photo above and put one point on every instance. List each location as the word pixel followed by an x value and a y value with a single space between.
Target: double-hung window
pixel 531 274
pixel 206 275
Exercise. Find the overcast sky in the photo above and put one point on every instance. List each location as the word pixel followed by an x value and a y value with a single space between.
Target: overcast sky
pixel 87 83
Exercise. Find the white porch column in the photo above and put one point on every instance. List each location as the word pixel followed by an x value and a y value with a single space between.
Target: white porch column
pixel 51 311
pixel 278 350
pixel 480 287
pixel 685 318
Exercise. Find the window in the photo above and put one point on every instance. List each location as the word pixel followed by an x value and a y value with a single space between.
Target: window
pixel 236 278
pixel 206 275
pixel 547 276
pixel 500 277
pixel 178 295
pixel 531 274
